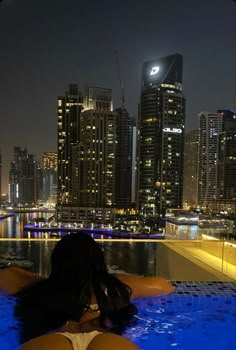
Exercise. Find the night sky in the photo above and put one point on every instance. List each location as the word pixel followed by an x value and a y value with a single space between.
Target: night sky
pixel 47 44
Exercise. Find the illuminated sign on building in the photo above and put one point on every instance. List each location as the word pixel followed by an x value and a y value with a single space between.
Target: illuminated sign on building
pixel 154 70
pixel 174 130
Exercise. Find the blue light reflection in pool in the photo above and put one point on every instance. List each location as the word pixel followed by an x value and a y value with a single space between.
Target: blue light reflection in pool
pixel 171 322
pixel 185 322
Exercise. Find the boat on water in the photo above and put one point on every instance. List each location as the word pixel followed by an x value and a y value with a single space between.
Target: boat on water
pixel 54 235
pixel 60 230
pixel 5 214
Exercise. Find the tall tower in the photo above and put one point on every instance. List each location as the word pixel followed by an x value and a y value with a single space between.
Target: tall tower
pixel 162 118
pixel 0 176
pixel 49 177
pixel 227 156
pixel 68 131
pixel 23 178
pixel 124 158
pixel 93 158
pixel 190 168
pixel 92 162
pixel 210 126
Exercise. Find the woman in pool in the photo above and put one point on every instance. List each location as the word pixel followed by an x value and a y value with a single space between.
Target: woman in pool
pixel 80 306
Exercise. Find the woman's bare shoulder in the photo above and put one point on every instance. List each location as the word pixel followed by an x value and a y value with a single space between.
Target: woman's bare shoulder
pixel 48 342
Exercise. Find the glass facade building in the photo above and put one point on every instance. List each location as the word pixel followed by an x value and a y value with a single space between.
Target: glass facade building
pixel 210 126
pixel 93 160
pixel 190 168
pixel 48 178
pixel 124 158
pixel 23 178
pixel 162 118
pixel 87 143
pixel 69 109
pixel 227 156
pixel 0 176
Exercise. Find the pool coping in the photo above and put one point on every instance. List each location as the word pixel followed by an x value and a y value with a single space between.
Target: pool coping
pixel 204 288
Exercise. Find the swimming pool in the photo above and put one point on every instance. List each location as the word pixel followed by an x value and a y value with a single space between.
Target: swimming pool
pixel 197 316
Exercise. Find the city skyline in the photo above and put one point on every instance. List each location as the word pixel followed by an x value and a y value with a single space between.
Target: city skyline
pixel 46 47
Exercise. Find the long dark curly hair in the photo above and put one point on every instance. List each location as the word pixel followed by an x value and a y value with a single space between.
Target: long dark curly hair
pixel 78 272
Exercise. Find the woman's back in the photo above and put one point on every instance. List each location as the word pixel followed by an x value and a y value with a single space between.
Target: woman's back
pixel 78 278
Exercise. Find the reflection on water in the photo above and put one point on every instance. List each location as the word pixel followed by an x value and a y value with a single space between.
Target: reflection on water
pixel 13 226
pixel 130 257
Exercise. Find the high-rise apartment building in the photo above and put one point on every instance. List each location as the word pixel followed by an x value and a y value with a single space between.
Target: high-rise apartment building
pixel 48 171
pixel 91 163
pixel 135 162
pixel 210 127
pixel 124 159
pixel 190 168
pixel 94 160
pixel 162 118
pixel 0 175
pixel 227 156
pixel 23 178
pixel 69 109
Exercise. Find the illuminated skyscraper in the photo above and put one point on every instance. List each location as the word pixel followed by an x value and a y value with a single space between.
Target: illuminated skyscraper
pixel 68 126
pixel 23 178
pixel 191 168
pixel 162 118
pixel 0 175
pixel 48 188
pixel 124 158
pixel 92 162
pixel 227 156
pixel 210 126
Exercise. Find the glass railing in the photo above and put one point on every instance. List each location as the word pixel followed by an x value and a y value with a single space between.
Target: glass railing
pixel 201 259
pixel 184 260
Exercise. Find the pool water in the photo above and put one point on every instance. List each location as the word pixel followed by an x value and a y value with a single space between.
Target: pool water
pixel 186 323
pixel 187 320
pixel 8 325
